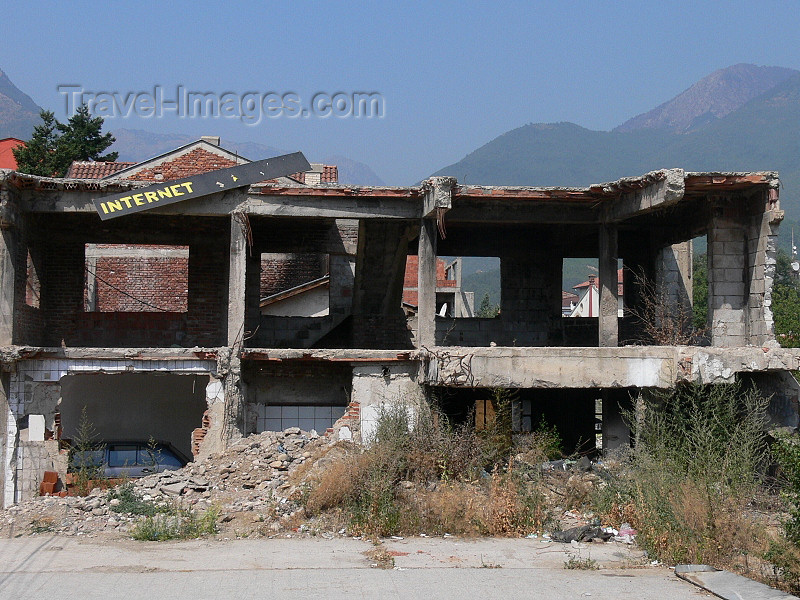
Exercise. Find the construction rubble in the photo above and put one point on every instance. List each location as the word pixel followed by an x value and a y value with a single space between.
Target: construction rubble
pixel 251 476
pixel 255 486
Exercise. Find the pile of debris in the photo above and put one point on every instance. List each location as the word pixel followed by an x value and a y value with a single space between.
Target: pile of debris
pixel 256 484
pixel 251 476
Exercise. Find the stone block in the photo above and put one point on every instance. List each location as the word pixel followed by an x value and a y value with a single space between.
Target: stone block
pixel 725 288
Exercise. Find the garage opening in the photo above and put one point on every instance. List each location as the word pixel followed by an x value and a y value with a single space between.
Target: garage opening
pixel 570 411
pixel 308 396
pixel 132 407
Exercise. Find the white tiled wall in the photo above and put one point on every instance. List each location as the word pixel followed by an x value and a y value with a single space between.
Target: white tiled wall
pixel 53 369
pixel 279 417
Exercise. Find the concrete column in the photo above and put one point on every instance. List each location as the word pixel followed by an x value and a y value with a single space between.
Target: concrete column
pixel 727 266
pixel 378 318
pixel 237 282
pixel 91 283
pixel 6 444
pixel 674 276
pixel 8 248
pixel 616 433
pixel 608 326
pixel 426 284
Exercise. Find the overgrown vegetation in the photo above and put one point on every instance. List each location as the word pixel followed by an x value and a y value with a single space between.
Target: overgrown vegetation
pixel 86 462
pixel 176 522
pixel 700 452
pixel 420 473
pixel 130 502
pixel 784 552
pixel 661 320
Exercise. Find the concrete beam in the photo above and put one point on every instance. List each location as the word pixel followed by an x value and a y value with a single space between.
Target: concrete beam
pixel 468 210
pixel 438 195
pixel 309 204
pixel 626 366
pixel 659 194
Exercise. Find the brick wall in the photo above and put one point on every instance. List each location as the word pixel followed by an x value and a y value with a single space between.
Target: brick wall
pixel 281 272
pixel 131 284
pixel 195 162
pixel 204 274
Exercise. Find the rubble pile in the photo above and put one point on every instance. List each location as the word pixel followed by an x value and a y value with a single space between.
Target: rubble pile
pixel 257 489
pixel 251 476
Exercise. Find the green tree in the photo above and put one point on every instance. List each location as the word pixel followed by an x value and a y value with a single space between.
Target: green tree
pixel 487 310
pixel 82 139
pixel 55 145
pixel 700 292
pixel 786 303
pixel 38 155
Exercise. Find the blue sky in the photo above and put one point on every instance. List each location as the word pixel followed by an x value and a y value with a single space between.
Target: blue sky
pixel 453 76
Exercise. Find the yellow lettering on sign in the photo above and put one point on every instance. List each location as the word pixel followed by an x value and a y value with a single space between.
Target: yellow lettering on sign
pixel 137 198
pixel 105 210
pixel 114 205
pixel 187 185
pixel 175 190
pixel 126 200
pixel 151 196
pixel 165 193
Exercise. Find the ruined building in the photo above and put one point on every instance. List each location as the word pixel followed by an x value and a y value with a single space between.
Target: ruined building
pixel 207 361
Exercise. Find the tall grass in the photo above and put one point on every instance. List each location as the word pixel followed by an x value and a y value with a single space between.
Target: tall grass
pixel 420 473
pixel 699 455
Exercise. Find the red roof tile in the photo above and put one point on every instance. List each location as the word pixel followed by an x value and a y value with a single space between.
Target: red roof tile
pixel 90 169
pixel 7 160
pixel 330 174
pixel 195 162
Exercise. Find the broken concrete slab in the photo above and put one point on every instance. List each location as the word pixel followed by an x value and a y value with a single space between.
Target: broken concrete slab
pixel 728 585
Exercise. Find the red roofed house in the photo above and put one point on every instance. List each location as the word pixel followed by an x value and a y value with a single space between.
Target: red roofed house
pixel 7 160
pixel 451 301
pixel 118 275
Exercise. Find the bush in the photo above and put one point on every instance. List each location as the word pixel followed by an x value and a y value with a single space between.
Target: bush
pixel 176 523
pixel 422 473
pixel 85 470
pixel 130 502
pixel 698 461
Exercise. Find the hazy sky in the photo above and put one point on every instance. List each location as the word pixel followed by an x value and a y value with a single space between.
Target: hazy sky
pixel 452 76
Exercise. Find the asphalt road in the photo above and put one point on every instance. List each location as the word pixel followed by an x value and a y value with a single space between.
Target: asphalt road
pixel 61 567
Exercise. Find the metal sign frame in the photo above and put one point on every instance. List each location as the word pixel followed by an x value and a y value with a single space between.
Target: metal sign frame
pixel 197 186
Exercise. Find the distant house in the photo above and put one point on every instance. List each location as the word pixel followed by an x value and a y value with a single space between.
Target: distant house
pixel 93 169
pixel 7 145
pixel 568 302
pixel 451 300
pixel 588 304
pixel 201 156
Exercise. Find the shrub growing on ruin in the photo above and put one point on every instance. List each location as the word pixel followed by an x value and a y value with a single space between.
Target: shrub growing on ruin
pixel 421 473
pixel 698 460
pixel 85 463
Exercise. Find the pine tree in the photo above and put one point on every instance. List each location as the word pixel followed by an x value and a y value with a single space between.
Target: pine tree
pixel 487 310
pixel 38 155
pixel 81 139
pixel 55 145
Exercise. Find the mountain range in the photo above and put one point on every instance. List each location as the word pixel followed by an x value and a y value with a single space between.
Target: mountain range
pixel 743 118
